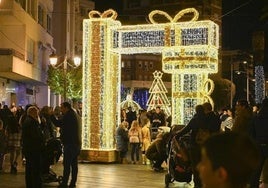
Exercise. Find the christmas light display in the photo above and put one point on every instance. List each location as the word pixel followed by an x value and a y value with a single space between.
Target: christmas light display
pixel 158 95
pixel 141 95
pixel 259 84
pixel 189 52
pixel 129 102
pixel 101 81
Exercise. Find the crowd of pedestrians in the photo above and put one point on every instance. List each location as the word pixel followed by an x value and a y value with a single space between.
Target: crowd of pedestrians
pixel 141 129
pixel 25 134
pixel 237 143
pixel 233 125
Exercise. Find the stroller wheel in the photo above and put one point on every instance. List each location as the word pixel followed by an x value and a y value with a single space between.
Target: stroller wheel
pixel 167 180
pixel 60 179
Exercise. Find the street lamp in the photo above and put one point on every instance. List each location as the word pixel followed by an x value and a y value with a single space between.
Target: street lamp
pixel 53 61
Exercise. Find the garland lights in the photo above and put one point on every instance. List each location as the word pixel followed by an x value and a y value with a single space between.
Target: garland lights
pixel 189 52
pixel 158 95
pixel 259 84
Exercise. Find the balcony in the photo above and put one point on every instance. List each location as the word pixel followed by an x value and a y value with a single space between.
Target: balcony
pixel 14 67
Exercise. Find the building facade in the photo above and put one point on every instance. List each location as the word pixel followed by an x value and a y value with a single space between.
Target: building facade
pixel 30 30
pixel 26 42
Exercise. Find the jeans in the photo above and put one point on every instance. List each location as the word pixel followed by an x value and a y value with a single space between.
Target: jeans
pixel 135 151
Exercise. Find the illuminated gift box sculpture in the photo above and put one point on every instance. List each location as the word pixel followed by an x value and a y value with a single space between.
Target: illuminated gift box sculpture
pixel 189 52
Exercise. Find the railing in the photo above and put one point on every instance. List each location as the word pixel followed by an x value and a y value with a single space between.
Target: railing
pixel 10 51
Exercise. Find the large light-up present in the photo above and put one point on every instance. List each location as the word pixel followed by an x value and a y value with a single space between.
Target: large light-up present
pixel 189 52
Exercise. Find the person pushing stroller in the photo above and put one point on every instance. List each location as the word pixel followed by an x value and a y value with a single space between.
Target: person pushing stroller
pixel 204 123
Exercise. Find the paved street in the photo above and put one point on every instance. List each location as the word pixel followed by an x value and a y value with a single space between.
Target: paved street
pixel 99 175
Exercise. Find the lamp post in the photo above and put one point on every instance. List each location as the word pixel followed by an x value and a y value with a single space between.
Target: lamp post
pixel 247 76
pixel 53 61
pixel 232 79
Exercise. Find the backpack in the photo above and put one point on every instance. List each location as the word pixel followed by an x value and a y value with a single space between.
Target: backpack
pixel 202 135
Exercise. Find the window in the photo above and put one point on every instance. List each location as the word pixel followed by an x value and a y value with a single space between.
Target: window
pixel 82 11
pixel 146 65
pixel 151 65
pixel 140 64
pixel 30 51
pixel 31 8
pixel 128 64
pixel 22 3
pixel 40 15
pixel 48 24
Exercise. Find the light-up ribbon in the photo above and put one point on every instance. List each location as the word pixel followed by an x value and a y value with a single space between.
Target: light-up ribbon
pixel 177 16
pixel 110 13
pixel 204 94
pixel 208 83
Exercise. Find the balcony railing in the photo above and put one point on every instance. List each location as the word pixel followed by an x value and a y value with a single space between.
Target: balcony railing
pixel 10 51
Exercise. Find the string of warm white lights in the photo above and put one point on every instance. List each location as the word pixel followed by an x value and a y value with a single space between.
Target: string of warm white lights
pixel 259 84
pixel 189 52
pixel 158 95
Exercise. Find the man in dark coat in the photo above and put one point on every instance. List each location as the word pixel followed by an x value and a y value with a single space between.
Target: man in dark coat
pixel 259 131
pixel 212 120
pixel 131 116
pixel 157 119
pixel 33 144
pixel 71 140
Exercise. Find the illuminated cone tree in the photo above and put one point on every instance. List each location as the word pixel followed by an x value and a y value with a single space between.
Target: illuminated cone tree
pixel 158 95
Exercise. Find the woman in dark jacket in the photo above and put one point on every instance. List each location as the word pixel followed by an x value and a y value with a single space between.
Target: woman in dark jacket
pixel 121 136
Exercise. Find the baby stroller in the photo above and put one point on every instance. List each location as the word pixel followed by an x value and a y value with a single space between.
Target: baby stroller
pixel 178 162
pixel 52 154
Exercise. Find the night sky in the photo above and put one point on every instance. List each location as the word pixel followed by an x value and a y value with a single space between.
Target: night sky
pixel 102 5
pixel 240 18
